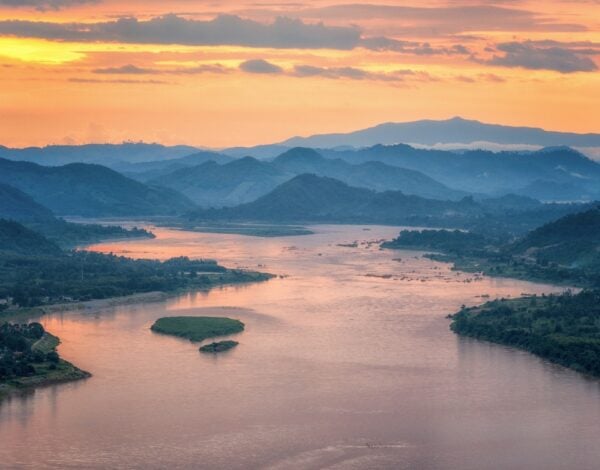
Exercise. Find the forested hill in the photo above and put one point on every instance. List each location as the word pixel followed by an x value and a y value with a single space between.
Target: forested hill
pixel 17 239
pixel 90 190
pixel 16 205
pixel 311 198
pixel 573 240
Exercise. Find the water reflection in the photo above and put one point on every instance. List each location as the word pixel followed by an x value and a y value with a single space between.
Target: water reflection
pixel 346 362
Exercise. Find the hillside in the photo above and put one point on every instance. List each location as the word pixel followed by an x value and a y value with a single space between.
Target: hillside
pixel 573 240
pixel 372 175
pixel 17 239
pixel 145 171
pixel 16 205
pixel 90 190
pixel 214 185
pixel 487 172
pixel 309 197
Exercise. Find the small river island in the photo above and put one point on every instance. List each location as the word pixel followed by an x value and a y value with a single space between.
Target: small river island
pixel 200 328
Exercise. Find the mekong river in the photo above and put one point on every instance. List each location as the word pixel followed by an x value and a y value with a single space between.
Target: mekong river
pixel 337 368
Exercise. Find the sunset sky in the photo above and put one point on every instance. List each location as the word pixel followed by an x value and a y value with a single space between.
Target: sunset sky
pixel 238 72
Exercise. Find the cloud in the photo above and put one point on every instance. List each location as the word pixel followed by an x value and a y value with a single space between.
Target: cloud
pixel 130 69
pixel 417 21
pixel 125 70
pixel 540 56
pixel 44 5
pixel 172 29
pixel 121 81
pixel 260 66
pixel 354 73
pixel 382 43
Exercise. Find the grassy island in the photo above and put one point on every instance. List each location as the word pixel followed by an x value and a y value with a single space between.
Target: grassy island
pixel 28 359
pixel 218 347
pixel 564 329
pixel 197 328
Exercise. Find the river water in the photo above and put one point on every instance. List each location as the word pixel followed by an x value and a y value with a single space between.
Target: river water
pixel 346 362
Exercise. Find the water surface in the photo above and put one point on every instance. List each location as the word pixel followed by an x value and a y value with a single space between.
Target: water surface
pixel 346 362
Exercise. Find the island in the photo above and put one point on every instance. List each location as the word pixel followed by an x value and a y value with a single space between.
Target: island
pixel 28 359
pixel 197 328
pixel 563 329
pixel 218 347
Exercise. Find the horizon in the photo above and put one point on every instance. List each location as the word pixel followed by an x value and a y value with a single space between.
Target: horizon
pixel 467 145
pixel 243 74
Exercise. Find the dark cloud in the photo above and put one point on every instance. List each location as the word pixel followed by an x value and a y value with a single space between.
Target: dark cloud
pixel 173 29
pixel 431 21
pixel 125 70
pixel 354 73
pixel 540 56
pixel 382 43
pixel 130 69
pixel 44 4
pixel 122 81
pixel 260 66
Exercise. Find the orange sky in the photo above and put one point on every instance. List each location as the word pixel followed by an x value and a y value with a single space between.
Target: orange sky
pixel 76 71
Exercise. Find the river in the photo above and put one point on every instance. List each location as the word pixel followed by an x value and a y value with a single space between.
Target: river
pixel 346 362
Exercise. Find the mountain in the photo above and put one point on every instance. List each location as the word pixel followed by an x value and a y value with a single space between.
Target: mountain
pixel 455 130
pixel 145 171
pixel 214 185
pixel 104 154
pixel 90 190
pixel 573 240
pixel 372 175
pixel 16 205
pixel 17 239
pixel 311 198
pixel 486 172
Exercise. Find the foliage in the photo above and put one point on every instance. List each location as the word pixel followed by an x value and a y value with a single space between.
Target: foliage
pixel 218 347
pixel 564 329
pixel 197 328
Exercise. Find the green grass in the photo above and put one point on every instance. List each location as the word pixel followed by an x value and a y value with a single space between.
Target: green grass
pixel 218 347
pixel 197 328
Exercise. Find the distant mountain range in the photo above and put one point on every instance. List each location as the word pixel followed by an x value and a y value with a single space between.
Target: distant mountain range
pixel 104 154
pixel 566 173
pixel 455 130
pixel 309 198
pixel 90 190
pixel 244 180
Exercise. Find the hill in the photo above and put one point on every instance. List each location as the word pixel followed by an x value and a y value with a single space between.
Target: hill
pixel 488 172
pixel 214 185
pixel 455 130
pixel 309 197
pixel 90 190
pixel 103 154
pixel 372 175
pixel 16 205
pixel 18 239
pixel 573 241
pixel 145 171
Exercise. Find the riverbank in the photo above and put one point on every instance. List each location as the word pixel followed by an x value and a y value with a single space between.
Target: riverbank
pixel 46 367
pixel 562 329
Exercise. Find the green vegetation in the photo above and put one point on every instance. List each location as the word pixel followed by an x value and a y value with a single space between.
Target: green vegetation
pixel 564 329
pixel 566 251
pixel 93 190
pixel 197 328
pixel 218 347
pixel 28 358
pixel 35 272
